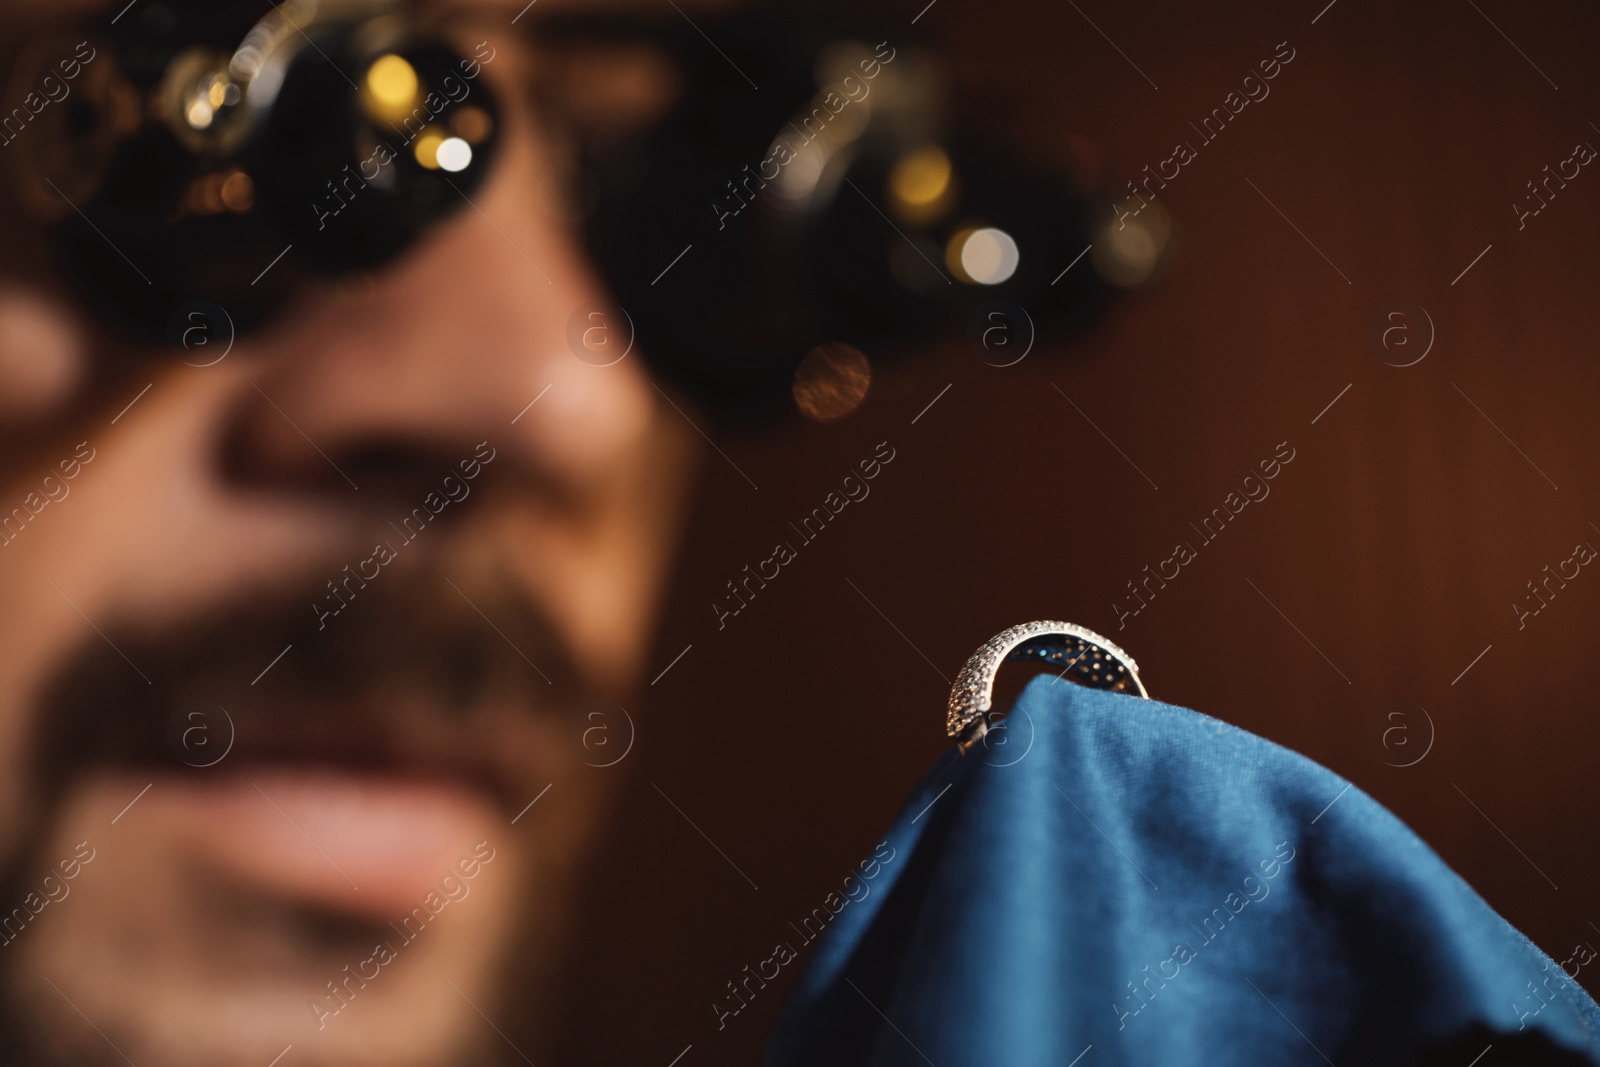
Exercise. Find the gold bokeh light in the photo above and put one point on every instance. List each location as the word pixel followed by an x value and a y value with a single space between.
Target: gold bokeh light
pixel 389 91
pixel 426 148
pixel 922 184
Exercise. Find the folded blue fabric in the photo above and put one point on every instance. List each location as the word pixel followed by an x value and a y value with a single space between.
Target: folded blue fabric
pixel 1134 883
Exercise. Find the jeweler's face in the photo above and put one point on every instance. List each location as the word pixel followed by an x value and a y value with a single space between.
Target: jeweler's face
pixel 297 651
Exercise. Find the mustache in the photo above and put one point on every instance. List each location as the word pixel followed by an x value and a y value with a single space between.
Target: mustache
pixel 410 650
pixel 418 644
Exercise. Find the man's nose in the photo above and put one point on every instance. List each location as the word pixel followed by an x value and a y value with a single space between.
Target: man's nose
pixel 373 386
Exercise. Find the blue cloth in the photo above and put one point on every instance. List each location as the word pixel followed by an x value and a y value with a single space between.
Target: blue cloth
pixel 1154 886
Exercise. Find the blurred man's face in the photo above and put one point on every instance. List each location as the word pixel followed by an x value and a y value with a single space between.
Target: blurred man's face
pixel 353 549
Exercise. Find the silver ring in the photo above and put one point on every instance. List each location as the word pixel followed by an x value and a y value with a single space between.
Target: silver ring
pixel 1089 659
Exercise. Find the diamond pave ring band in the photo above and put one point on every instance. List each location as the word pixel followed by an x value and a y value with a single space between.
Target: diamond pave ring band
pixel 1083 655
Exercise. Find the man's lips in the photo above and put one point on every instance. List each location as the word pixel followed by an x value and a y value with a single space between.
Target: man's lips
pixel 355 843
pixel 370 736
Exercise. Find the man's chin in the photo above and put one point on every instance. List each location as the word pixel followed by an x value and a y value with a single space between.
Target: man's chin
pixel 359 916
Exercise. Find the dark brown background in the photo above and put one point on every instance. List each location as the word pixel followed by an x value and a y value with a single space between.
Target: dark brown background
pixel 1397 540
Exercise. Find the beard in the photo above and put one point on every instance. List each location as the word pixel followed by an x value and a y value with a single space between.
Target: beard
pixel 417 676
